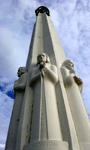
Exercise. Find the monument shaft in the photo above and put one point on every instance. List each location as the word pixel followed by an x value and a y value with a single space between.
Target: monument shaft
pixel 48 92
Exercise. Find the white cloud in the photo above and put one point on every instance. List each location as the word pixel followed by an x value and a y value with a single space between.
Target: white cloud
pixel 26 8
pixel 12 54
pixel 2 146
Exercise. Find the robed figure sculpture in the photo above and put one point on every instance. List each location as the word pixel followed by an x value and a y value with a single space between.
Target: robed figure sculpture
pixel 73 85
pixel 45 120
pixel 19 90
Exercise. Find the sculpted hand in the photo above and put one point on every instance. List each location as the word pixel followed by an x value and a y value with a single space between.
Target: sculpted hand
pixel 73 71
pixel 43 72
pixel 42 64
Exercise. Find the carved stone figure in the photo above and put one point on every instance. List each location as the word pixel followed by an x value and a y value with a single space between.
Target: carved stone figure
pixel 73 86
pixel 45 120
pixel 69 75
pixel 20 84
pixel 19 88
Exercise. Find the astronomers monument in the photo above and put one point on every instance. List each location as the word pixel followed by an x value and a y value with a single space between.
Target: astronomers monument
pixel 48 112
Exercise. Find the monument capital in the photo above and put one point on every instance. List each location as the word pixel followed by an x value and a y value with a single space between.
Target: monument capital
pixel 42 9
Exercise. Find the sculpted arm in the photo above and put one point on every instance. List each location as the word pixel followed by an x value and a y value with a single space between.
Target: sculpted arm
pixel 52 73
pixel 34 76
pixel 69 74
pixel 64 73
pixel 21 83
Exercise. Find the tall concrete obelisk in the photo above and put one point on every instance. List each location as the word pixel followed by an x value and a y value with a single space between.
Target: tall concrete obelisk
pixel 48 113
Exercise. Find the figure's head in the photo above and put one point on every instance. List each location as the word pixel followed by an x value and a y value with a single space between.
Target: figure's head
pixel 68 64
pixel 21 70
pixel 43 58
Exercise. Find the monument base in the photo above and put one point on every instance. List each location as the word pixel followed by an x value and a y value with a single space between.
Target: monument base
pixel 47 145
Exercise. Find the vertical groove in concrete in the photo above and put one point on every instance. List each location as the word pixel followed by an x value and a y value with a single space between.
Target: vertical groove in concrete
pixel 43 125
pixel 40 109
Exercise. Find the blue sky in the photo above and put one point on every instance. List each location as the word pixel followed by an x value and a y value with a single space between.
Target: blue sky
pixel 72 22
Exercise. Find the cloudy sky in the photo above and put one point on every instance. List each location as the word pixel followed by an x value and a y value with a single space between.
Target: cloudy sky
pixel 72 22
